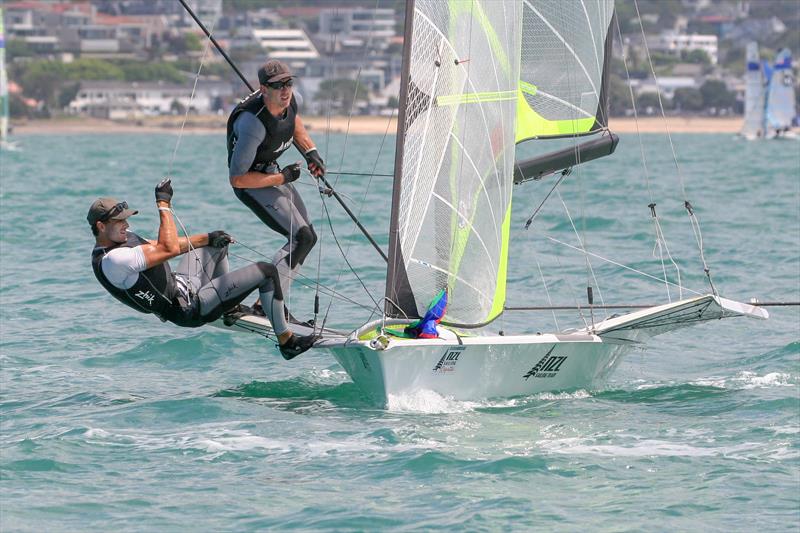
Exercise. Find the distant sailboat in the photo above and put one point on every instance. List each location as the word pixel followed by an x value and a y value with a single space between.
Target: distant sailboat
pixel 780 99
pixel 755 92
pixel 5 143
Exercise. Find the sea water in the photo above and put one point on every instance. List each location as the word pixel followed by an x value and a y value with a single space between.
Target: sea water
pixel 111 419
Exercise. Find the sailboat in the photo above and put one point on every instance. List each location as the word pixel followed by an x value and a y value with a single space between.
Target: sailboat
pixel 780 99
pixel 5 143
pixel 755 96
pixel 478 78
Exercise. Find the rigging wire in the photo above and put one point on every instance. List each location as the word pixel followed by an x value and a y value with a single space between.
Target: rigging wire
pixel 553 239
pixel 547 292
pixel 191 249
pixel 324 209
pixel 344 256
pixel 687 205
pixel 661 240
pixel 361 207
pixel 304 280
pixel 584 249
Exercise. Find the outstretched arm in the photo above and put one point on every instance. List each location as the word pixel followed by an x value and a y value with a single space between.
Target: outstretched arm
pixel 168 245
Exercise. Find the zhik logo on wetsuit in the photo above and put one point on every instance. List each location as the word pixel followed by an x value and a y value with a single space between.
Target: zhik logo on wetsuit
pixel 284 146
pixel 547 367
pixel 448 361
pixel 146 296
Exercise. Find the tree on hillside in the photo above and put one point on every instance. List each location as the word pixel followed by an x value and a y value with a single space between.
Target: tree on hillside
pixel 92 69
pixel 41 79
pixel 716 94
pixel 342 93
pixel 688 99
pixel 696 56
pixel 619 96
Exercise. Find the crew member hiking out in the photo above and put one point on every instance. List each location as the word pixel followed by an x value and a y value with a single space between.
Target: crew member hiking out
pixel 137 273
pixel 260 128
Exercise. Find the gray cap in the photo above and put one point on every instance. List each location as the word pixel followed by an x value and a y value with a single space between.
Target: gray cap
pixel 274 70
pixel 103 206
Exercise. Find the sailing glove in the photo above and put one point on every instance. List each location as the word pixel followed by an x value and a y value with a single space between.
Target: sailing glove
pixel 219 239
pixel 312 156
pixel 291 172
pixel 164 191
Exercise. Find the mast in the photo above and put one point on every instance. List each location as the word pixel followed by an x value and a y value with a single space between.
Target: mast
pixel 399 298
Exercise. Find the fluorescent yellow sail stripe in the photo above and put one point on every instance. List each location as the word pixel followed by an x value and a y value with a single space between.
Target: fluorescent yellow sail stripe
pixel 502 269
pixel 475 9
pixel 475 98
pixel 526 87
pixel 531 124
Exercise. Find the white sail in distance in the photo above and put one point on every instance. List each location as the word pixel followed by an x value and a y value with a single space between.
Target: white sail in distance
pixel 780 96
pixel 755 83
pixel 455 156
pixel 3 83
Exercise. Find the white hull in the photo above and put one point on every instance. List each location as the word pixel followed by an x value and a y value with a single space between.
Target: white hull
pixel 493 366
pixel 481 367
pixel 473 368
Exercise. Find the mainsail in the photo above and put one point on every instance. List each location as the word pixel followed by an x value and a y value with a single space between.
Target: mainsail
pixel 451 206
pixel 780 95
pixel 753 125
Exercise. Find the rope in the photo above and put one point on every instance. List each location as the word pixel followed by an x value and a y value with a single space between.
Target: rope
pixel 344 256
pixel 361 207
pixel 661 240
pixel 583 248
pixel 688 206
pixel 616 263
pixel 304 280
pixel 547 292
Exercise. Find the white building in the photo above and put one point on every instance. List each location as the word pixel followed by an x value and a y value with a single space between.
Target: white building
pixel 675 43
pixel 355 27
pixel 666 85
pixel 286 44
pixel 124 100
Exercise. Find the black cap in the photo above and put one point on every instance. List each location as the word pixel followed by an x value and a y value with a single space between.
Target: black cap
pixel 102 206
pixel 274 70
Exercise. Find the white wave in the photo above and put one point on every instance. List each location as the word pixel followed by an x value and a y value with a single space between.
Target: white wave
pixel 786 430
pixel 427 401
pixel 238 443
pixel 643 448
pixel 749 380
pixel 577 395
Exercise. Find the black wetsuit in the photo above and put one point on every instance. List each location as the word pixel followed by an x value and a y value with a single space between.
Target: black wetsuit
pixel 199 291
pixel 256 139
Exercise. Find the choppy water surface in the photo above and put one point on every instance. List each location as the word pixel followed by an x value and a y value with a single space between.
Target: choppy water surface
pixel 112 418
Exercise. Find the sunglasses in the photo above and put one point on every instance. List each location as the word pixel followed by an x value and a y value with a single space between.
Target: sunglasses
pixel 278 85
pixel 114 211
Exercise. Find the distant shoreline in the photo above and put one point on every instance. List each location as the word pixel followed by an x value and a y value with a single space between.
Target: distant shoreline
pixel 358 125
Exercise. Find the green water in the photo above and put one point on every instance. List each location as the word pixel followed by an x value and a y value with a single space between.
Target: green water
pixel 113 419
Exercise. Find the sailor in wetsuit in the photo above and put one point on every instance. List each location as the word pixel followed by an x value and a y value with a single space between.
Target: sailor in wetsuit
pixel 260 128
pixel 136 272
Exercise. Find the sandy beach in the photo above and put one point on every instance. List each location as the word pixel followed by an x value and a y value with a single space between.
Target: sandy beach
pixel 359 125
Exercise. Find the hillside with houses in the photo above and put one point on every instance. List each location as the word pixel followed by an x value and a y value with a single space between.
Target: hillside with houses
pixel 124 59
